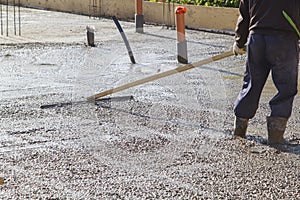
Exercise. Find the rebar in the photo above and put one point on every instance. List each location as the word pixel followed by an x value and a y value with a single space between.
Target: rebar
pixel 100 8
pixel 1 19
pixel 6 17
pixel 19 11
pixel 90 8
pixel 95 8
pixel 171 18
pixel 15 25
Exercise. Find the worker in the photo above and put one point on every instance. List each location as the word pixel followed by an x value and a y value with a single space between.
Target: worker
pixel 272 46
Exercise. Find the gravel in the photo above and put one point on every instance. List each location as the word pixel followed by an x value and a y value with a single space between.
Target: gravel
pixel 172 140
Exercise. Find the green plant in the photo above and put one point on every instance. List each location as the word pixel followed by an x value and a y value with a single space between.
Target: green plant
pixel 219 3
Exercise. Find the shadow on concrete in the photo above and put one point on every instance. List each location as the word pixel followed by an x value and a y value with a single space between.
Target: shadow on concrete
pixel 223 71
pixel 292 146
pixel 189 41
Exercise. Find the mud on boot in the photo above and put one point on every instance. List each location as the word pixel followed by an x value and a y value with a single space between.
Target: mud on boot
pixel 240 126
pixel 276 129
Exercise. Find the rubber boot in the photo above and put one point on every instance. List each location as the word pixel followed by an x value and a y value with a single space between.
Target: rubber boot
pixel 240 126
pixel 276 128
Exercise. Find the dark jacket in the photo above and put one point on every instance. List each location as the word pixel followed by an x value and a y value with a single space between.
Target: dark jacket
pixel 265 17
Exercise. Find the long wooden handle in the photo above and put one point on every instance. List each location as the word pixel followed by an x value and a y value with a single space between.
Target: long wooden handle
pixel 161 75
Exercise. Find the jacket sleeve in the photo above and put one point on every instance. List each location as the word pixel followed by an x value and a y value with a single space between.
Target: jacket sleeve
pixel 242 26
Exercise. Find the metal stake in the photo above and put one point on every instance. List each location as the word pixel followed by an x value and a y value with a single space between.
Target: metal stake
pixel 1 18
pixel 94 8
pixel 100 8
pixel 6 17
pixel 169 15
pixel 90 8
pixel 15 25
pixel 19 11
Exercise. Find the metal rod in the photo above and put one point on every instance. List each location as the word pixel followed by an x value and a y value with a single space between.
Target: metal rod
pixel 1 19
pixel 173 25
pixel 164 21
pixel 169 15
pixel 95 9
pixel 90 8
pixel 19 11
pixel 6 17
pixel 100 8
pixel 15 25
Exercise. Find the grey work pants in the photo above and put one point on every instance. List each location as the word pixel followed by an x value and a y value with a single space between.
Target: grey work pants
pixel 265 54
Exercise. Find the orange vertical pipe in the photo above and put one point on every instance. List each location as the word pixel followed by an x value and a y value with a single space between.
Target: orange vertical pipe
pixel 139 17
pixel 180 23
pixel 139 7
pixel 181 41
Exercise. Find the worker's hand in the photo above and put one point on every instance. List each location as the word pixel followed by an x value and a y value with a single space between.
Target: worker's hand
pixel 238 51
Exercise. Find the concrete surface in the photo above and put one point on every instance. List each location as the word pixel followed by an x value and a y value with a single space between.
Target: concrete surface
pixel 172 141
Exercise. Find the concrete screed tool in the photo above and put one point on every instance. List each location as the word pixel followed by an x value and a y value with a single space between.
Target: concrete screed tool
pixel 96 97
pixel 162 75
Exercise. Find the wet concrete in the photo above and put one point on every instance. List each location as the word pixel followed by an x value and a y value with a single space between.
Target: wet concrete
pixel 173 140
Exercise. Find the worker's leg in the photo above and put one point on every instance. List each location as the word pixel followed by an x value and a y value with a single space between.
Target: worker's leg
pixel 283 56
pixel 255 77
pixel 254 80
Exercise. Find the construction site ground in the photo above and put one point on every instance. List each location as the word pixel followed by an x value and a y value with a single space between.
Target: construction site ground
pixel 167 139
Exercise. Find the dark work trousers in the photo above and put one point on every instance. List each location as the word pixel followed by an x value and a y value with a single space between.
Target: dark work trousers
pixel 265 54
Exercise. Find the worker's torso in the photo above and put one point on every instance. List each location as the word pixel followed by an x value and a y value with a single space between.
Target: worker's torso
pixel 266 15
